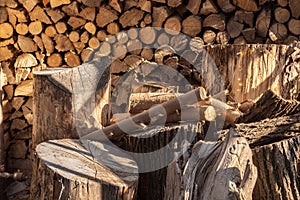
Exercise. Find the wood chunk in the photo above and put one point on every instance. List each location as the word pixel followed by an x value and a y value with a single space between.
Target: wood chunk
pixel 102 35
pixel 50 31
pixel 179 42
pixel 88 13
pixel 57 3
pixel 74 36
pixel 6 30
pixel 249 5
pixel 19 124
pixel 209 36
pixel 72 59
pixel 191 25
pixel 290 40
pixel 295 7
pixel 145 5
pixel 48 44
pixel 25 88
pixel 90 27
pixel 7 42
pixel 226 6
pixel 84 37
pixel 55 14
pixel 105 49
pixel 122 37
pixel 147 53
pixel 27 114
pixel 147 35
pixel 234 28
pixel 91 3
pixel 22 74
pixel 134 46
pixel 85 54
pixel 25 60
pixel 130 4
pixel 28 4
pixel 26 44
pixel 22 29
pixel 79 46
pixel 54 60
pixel 215 21
pixel 131 17
pixel 148 19
pixel 61 27
pixel 294 26
pixel 5 53
pixel 223 37
pixel 63 43
pixel 208 7
pixel 240 40
pixel 263 22
pixel 278 32
pixel 46 2
pixel 94 43
pixel 113 28
pixel 118 66
pixel 39 14
pixel 105 17
pixel 16 15
pixel 173 25
pixel 35 28
pixel 71 9
pixel 9 91
pixel 8 76
pixel 3 15
pixel 17 102
pixel 9 3
pixel 159 15
pixel 174 3
pixel 163 39
pixel 283 3
pixel 162 52
pixel 282 15
pixel 76 22
pixel 133 61
pixel 249 34
pixel 115 4
pixel 132 33
pixel 194 6
pixel 119 50
pixel 244 17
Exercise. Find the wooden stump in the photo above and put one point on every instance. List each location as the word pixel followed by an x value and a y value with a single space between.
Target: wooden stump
pixel 66 170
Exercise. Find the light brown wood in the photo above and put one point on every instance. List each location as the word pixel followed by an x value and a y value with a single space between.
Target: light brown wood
pixel 196 44
pixel 39 42
pixel 85 54
pixel 179 42
pixel 147 35
pixel 72 59
pixel 39 14
pixel 63 43
pixel 133 61
pixel 56 3
pixel 173 25
pixel 159 15
pixel 55 14
pixel 54 60
pixel 208 7
pixel 79 46
pixel 249 5
pixel 76 22
pixel 6 30
pixel 94 43
pixel 84 37
pixel 3 15
pixel 25 88
pixel 26 44
pixel 134 46
pixel 105 17
pixel 88 13
pixel 101 35
pixel 215 21
pixel 113 28
pixel 174 3
pixel 61 27
pixel 71 9
pixel 50 31
pixel 294 26
pixel 118 66
pixel 209 36
pixel 145 5
pixel 147 53
pixel 223 37
pixel 22 28
pixel 278 32
pixel 25 60
pixel 74 36
pixel 131 17
pixel 105 48
pixel 9 91
pixel 164 39
pixel 122 37
pixel 15 15
pixel 234 28
pixel 240 40
pixel 48 44
pixel 90 27
pixel 282 15
pixel 35 28
pixel 115 4
pixel 193 6
pixel 263 23
pixel 5 53
pixel 295 7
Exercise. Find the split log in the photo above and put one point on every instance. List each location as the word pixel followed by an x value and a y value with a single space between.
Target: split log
pixel 249 5
pixel 26 44
pixel 226 6
pixel 55 14
pixel 193 6
pixel 88 13
pixel 215 21
pixel 278 32
pixel 209 36
pixel 294 6
pixel 131 18
pixel 48 44
pixel 234 28
pixel 244 17
pixel 112 175
pixel 159 15
pixel 191 26
pixel 164 39
pixel 173 25
pixel 3 15
pixel 39 14
pixel 263 23
pixel 208 7
pixel 76 22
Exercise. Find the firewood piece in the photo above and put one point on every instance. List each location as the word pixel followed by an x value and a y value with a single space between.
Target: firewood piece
pixel 74 36
pixel 249 5
pixel 56 3
pixel 193 6
pixel 134 46
pixel 48 44
pixel 147 35
pixel 162 52
pixel 131 17
pixel 294 26
pixel 9 91
pixel 3 15
pixel 223 37
pixel 76 22
pixel 79 46
pixel 263 22
pixel 133 61
pixel 106 170
pixel 290 40
pixel 240 40
pixel 16 15
pixel 102 35
pixel 88 13
pixel 244 17
pixel 26 44
pixel 50 31
pixel 145 5
pixel 25 88
pixel 28 5
pixel 215 21
pixel 105 17
pixel 234 28
pixel 85 54
pixel 55 14
pixel 209 36
pixel 173 25
pixel 226 6
pixel 90 27
pixel 115 4
pixel 196 44
pixel 39 14
pixel 22 29
pixel 25 60
pixel 122 37
pixel 119 50
pixel 105 49
pixel 295 7
pixel 118 66
pixel 179 42
pixel 94 43
pixel 132 33
pixel 113 28
pixel 174 3
pixel 63 43
pixel 72 59
pixel 54 60
pixel 130 4
pixel 5 53
pixel 147 53
pixel 6 30
pixel 7 42
pixel 91 3
pixel 191 25
pixel 249 34
pixel 71 9
pixel 61 27
pixel 281 15
pixel 282 3
pixel 208 7
pixel 84 37
pixel 278 32
pixel 163 39
pixel 35 28
pixel 159 15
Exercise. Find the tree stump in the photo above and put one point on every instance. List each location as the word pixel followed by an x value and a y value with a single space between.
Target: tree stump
pixel 66 170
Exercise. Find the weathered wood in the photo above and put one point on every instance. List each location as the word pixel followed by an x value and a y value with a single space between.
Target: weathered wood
pixel 173 25
pixel 215 21
pixel 281 15
pixel 55 60
pixel 106 175
pixel 294 26
pixel 278 32
pixel 234 28
pixel 191 25
pixel 131 17
pixel 193 6
pixel 209 36
pixel 295 7
pixel 159 15
pixel 208 7
pixel 147 35
pixel 6 30
pixel 263 22
pixel 249 5
pixel 226 6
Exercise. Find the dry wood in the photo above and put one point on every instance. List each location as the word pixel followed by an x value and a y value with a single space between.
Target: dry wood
pixel 215 21
pixel 55 14
pixel 54 60
pixel 263 23
pixel 282 3
pixel 278 32
pixel 61 27
pixel 226 6
pixel 25 60
pixel 162 52
pixel 115 4
pixel 249 34
pixel 85 54
pixel 3 15
pixel 131 17
pixel 223 37
pixel 6 30
pixel 174 3
pixel 122 37
pixel 159 15
pixel 193 6
pixel 74 36
pixel 25 88
pixel 15 15
pixel 90 27
pixel 71 9
pixel 281 15
pixel 119 50
pixel 9 91
pixel 164 38
pixel 191 25
pixel 147 53
pixel 294 26
pixel 26 44
pixel 22 28
pixel 135 46
pixel 76 22
pixel 38 13
pixel 173 25
pixel 240 40
pixel 79 46
pixel 291 40
pixel 56 3
pixel 72 59
pixel 295 7
pixel 84 37
pixel 209 36
pixel 91 3
pixel 113 28
pixel 48 44
pixel 35 28
pixel 208 7
pixel 94 43
pixel 243 16
pixel 50 31
pixel 88 13
pixel 101 35
pixel 179 42
pixel 249 5
pixel 5 53
pixel 145 5
pixel 118 66
pixel 133 61
pixel 132 33
pixel 234 28
pixel 63 43
pixel 147 35
pixel 105 49
pixel 113 174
